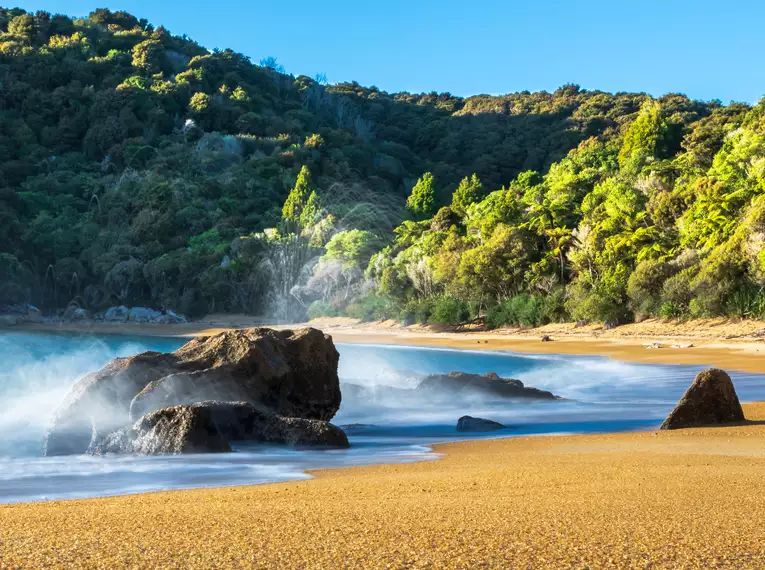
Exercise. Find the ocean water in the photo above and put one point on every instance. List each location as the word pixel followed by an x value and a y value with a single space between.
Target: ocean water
pixel 601 395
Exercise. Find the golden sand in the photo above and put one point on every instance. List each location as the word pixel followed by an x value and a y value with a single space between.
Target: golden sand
pixel 725 343
pixel 685 499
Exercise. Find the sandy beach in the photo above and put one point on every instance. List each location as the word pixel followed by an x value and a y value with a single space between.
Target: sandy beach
pixel 725 343
pixel 685 499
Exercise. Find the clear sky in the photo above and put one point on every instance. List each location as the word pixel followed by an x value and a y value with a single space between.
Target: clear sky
pixel 705 49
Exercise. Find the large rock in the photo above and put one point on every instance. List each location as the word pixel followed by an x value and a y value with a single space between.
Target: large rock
pixel 73 313
pixel 181 429
pixel 18 313
pixel 101 401
pixel 240 421
pixel 469 423
pixel 9 320
pixel 170 318
pixel 143 314
pixel 710 400
pixel 489 384
pixel 117 314
pixel 290 373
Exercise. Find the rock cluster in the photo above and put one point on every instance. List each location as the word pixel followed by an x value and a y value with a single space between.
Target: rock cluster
pixel 286 381
pixel 122 314
pixel 20 313
pixel 23 313
pixel 711 400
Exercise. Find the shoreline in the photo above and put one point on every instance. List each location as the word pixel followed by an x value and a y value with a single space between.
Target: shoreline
pixel 721 343
pixel 687 498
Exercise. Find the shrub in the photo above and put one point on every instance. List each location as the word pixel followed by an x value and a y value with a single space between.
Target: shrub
pixel 448 310
pixel 671 310
pixel 746 302
pixel 371 307
pixel 526 310
pixel 677 289
pixel 319 309
pixel 644 286
pixel 594 305
pixel 416 311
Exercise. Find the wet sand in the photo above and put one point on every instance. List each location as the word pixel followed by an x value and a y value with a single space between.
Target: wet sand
pixel 729 344
pixel 684 499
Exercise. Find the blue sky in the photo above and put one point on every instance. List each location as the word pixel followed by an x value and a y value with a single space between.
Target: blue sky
pixel 707 50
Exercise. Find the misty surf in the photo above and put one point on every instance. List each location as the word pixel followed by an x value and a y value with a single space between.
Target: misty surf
pixel 386 418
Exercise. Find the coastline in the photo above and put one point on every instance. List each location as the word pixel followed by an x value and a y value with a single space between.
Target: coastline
pixel 732 345
pixel 689 498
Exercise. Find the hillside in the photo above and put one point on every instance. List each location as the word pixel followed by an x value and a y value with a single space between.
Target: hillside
pixel 138 168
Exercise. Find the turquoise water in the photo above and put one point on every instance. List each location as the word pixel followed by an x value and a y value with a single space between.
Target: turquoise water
pixel 603 395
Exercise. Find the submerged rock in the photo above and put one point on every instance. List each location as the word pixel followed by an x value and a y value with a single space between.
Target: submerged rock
pixel 490 384
pixel 240 421
pixel 180 429
pixel 290 373
pixel 710 400
pixel 358 427
pixel 468 423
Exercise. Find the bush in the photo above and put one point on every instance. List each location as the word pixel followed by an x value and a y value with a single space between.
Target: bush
pixel 416 311
pixel 671 310
pixel 644 286
pixel 319 309
pixel 526 311
pixel 746 302
pixel 371 308
pixel 591 304
pixel 448 310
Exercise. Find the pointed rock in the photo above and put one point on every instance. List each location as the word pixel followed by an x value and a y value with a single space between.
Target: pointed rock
pixel 711 400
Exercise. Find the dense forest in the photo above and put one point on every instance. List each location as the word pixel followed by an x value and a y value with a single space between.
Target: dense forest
pixel 138 168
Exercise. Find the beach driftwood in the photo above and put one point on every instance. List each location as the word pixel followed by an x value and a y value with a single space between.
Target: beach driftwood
pixel 289 373
pixel 711 400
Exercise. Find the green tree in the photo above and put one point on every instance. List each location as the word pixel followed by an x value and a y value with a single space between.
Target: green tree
pixel 470 191
pixel 422 201
pixel 149 57
pixel 644 139
pixel 22 26
pixel 302 203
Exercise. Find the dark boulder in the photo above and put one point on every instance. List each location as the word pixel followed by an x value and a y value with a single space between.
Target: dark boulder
pixel 180 429
pixel 468 423
pixel 293 374
pixel 240 421
pixel 711 400
pixel 488 384
pixel 290 373
pixel 101 401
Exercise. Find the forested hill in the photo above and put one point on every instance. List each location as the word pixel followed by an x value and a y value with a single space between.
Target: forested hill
pixel 138 168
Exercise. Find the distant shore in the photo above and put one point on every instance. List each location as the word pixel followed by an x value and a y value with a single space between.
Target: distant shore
pixel 734 345
pixel 682 499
